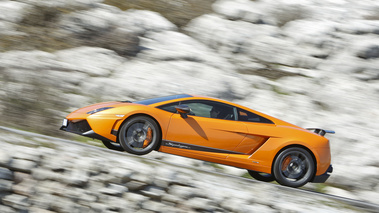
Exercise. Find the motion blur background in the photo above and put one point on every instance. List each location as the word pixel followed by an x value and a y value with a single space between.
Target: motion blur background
pixel 312 63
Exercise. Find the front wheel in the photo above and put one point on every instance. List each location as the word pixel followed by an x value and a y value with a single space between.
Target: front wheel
pixel 294 167
pixel 139 135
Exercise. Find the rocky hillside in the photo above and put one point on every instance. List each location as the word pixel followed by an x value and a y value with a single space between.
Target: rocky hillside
pixel 39 174
pixel 315 64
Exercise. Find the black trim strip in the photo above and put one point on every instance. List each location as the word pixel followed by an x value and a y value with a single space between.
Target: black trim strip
pixel 114 132
pixel 179 145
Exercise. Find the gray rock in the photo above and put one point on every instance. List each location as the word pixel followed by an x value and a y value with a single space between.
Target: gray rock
pixel 6 209
pixel 158 48
pixel 5 185
pixel 143 21
pixel 22 165
pixel 16 201
pixel 44 174
pixel 27 154
pixel 4 158
pixel 90 60
pixel 35 209
pixel 114 190
pixel 135 185
pixel 76 178
pixel 359 27
pixel 171 200
pixel 225 36
pixel 9 29
pixel 201 204
pixel 88 23
pixel 25 188
pixel 117 204
pixel 153 192
pixel 183 192
pixel 120 175
pixel 370 52
pixel 98 207
pixel 153 206
pixel 161 182
pixel 191 75
pixel 61 204
pixel 6 174
pixel 234 10
pixel 136 198
pixel 141 177
pixel 13 11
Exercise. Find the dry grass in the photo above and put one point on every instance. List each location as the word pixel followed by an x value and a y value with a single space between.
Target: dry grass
pixel 179 12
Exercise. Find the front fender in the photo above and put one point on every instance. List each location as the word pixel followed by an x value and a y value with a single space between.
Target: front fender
pixel 123 113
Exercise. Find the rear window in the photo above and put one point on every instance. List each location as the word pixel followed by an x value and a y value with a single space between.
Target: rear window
pixel 244 115
pixel 161 99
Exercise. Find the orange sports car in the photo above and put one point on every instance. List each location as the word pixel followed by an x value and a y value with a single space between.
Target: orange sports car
pixel 212 130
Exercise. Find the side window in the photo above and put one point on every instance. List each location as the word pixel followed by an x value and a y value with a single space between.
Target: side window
pixel 211 109
pixel 199 109
pixel 169 107
pixel 203 108
pixel 244 115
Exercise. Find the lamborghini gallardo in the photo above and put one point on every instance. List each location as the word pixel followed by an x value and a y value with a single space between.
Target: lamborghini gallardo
pixel 212 130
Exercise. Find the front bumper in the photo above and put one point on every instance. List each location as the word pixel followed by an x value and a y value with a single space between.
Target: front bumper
pixel 322 178
pixel 81 128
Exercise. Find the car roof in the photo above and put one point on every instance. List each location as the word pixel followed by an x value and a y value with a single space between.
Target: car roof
pixel 154 102
pixel 163 99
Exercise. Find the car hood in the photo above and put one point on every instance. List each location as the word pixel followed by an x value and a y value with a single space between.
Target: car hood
pixel 87 109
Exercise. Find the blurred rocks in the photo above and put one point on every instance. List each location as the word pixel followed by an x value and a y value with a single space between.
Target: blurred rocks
pixel 314 64
pixel 134 187
pixel 12 11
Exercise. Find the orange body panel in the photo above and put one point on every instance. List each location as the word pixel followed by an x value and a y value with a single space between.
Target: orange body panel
pixel 242 144
pixel 206 132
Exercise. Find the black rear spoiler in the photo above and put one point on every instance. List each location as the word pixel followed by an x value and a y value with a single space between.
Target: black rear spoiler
pixel 321 132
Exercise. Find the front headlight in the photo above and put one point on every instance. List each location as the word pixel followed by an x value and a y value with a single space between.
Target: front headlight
pixel 99 110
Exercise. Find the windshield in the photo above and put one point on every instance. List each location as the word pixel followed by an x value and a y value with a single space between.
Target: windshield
pixel 161 99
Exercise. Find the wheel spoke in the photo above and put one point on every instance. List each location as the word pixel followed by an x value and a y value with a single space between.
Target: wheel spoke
pixel 136 144
pixel 303 165
pixel 286 173
pixel 146 126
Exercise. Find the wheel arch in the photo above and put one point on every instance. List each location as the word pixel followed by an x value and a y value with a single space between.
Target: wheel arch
pixel 298 146
pixel 147 115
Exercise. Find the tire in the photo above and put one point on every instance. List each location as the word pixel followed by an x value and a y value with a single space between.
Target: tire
pixel 294 167
pixel 113 146
pixel 261 176
pixel 139 135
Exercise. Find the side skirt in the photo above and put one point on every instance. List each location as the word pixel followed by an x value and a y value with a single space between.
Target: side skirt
pixel 226 157
pixel 196 147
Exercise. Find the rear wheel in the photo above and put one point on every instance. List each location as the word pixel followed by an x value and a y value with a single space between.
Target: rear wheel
pixel 294 167
pixel 261 176
pixel 139 135
pixel 113 146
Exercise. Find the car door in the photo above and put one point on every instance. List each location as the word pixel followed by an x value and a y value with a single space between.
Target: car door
pixel 260 129
pixel 211 128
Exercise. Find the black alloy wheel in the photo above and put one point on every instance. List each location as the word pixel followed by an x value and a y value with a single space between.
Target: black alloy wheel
pixel 139 135
pixel 294 167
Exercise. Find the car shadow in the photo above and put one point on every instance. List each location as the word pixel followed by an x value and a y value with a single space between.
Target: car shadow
pixel 195 125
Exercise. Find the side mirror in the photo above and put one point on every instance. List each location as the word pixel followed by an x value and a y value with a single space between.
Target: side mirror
pixel 183 110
